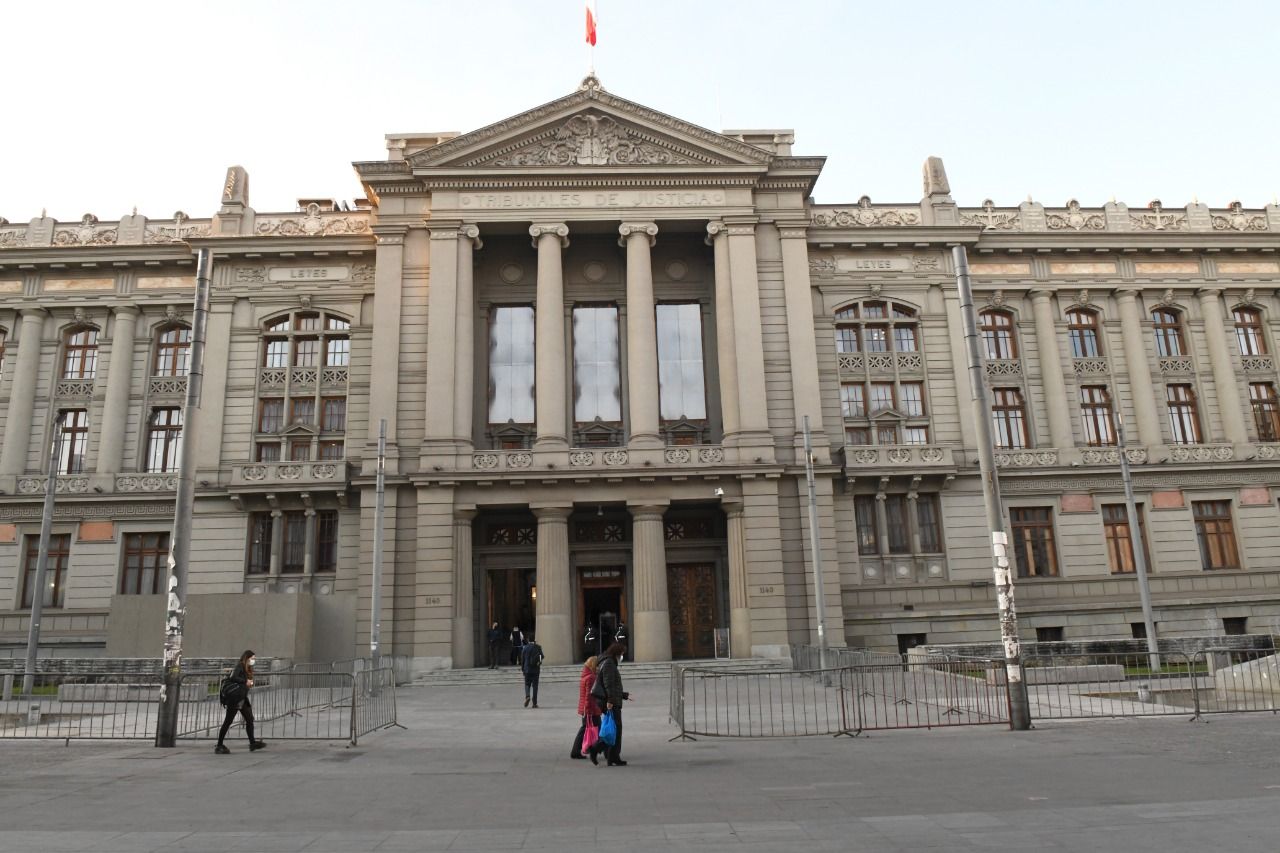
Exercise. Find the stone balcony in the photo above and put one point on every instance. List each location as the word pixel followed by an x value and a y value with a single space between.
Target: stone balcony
pixel 667 461
pixel 898 458
pixel 301 476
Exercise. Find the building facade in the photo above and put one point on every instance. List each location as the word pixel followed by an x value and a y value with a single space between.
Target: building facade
pixel 595 333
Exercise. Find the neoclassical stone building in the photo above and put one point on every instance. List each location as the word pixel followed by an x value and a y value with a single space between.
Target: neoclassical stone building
pixel 594 332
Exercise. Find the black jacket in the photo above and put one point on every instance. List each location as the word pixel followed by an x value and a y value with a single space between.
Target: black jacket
pixel 495 636
pixel 611 679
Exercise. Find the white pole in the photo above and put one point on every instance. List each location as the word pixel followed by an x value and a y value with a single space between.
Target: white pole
pixel 815 547
pixel 42 560
pixel 380 509
pixel 1138 544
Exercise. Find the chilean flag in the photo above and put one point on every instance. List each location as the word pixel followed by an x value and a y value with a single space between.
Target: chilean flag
pixel 591 23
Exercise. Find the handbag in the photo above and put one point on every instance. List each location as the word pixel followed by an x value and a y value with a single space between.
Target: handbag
pixel 591 735
pixel 608 729
pixel 231 693
pixel 597 692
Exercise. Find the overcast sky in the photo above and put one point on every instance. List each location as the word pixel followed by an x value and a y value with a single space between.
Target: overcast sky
pixel 108 106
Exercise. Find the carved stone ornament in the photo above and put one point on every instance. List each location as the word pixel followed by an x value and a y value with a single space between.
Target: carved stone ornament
pixel 312 224
pixel 251 275
pixel 991 219
pixel 79 315
pixel 822 265
pixel 876 288
pixel 1238 220
pixel 87 233
pixel 865 216
pixel 11 237
pixel 1157 219
pixel 626 229
pixel 996 298
pixel 1249 297
pixel 178 232
pixel 558 229
pixel 362 272
pixel 589 139
pixel 305 300
pixel 1075 219
pixel 172 314
pixel 923 263
pixel 1082 297
pixel 935 177
pixel 1166 298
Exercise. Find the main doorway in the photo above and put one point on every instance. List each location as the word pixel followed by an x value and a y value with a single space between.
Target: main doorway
pixel 691 599
pixel 602 606
pixel 511 603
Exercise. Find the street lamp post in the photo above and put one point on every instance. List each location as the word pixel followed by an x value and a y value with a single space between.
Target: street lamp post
pixel 42 560
pixel 1138 544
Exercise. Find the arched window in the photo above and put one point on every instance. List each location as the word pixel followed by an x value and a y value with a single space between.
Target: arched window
pixel 173 352
pixel 80 354
pixel 1082 328
pixel 998 334
pixel 1170 340
pixel 1249 331
pixel 877 326
pixel 302 389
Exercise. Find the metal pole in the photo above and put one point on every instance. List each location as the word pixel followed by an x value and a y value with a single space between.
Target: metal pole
pixel 42 561
pixel 380 508
pixel 1138 545
pixel 1019 707
pixel 815 547
pixel 183 512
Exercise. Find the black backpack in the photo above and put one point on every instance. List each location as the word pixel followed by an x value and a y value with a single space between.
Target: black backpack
pixel 231 693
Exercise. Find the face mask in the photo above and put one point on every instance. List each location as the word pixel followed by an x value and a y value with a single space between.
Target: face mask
pixel 253 661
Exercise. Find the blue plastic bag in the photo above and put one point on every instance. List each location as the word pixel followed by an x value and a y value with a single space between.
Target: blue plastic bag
pixel 608 729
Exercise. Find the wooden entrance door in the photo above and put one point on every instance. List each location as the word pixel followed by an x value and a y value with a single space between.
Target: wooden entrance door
pixel 691 597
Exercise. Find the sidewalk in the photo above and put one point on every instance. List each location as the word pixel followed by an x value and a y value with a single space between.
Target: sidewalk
pixel 477 771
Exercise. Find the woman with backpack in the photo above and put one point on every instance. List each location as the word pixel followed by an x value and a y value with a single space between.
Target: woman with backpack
pixel 588 710
pixel 235 696
pixel 614 696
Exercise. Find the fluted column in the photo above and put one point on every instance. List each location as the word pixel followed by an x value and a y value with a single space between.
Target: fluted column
pixel 753 409
pixel 22 395
pixel 115 411
pixel 805 393
pixel 555 623
pixel 1051 377
pixel 642 335
pixel 1224 376
pixel 1135 355
pixel 442 321
pixel 651 632
pixel 739 605
pixel 465 338
pixel 726 355
pixel 882 526
pixel 277 542
pixel 549 361
pixel 309 546
pixel 464 634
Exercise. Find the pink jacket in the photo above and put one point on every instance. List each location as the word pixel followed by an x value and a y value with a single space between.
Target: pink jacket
pixel 586 702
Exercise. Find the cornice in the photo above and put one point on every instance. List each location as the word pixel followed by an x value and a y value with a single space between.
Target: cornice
pixel 101 257
pixel 1132 240
pixel 919 237
pixel 279 246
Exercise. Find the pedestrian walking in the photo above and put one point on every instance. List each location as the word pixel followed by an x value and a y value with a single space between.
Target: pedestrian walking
pixel 588 708
pixel 234 693
pixel 531 666
pixel 517 643
pixel 495 640
pixel 614 696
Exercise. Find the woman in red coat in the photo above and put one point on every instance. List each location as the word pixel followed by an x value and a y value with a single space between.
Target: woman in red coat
pixel 588 709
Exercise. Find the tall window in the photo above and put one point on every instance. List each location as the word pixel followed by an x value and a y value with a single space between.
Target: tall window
pixel 275 352
pixel 1115 526
pixel 912 399
pixel 337 347
pixel 1216 535
pixel 682 393
pixel 1249 331
pixel 75 441
pixel 268 452
pixel 333 414
pixel 915 435
pixel 295 542
pixel 864 510
pixel 270 415
pixel 929 524
pixel 881 396
pixel 173 352
pixel 327 540
pixel 851 400
pixel 80 355
pixel 895 512
pixel 1095 407
pixel 1184 421
pixel 1032 540
pixel 260 529
pixel 163 439
pixel 847 337
pixel 303 411
pixel 877 326
pixel 998 335
pixel 1009 417
pixel 1266 410
pixel 299 348
pixel 146 559
pixel 597 376
pixel 331 450
pixel 511 365
pixel 55 578
pixel 1170 340
pixel 1082 329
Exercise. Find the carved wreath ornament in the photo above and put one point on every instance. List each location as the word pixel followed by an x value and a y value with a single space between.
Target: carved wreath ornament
pixel 591 140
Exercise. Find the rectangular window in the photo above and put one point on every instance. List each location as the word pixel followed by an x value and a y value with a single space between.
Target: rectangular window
pixel 260 528
pixel 846 339
pixel 275 352
pixel 927 518
pixel 881 396
pixel 1082 331
pixel 1184 421
pixel 1216 534
pixel 1050 634
pixel 864 508
pixel 1032 541
pixel 337 352
pixel 1009 418
pixel 75 441
pixel 915 435
pixel 164 439
pixel 1235 626
pixel 303 411
pixel 912 399
pixel 876 338
pixel 146 562
pixel 1266 410
pixel 332 450
pixel 1115 525
pixel 327 540
pixel 511 365
pixel 1095 408
pixel 887 435
pixel 851 401
pixel 682 392
pixel 857 435
pixel 904 339
pixel 55 577
pixel 295 542
pixel 270 415
pixel 895 511
pixel 1249 331
pixel 299 450
pixel 333 414
pixel 173 352
pixel 80 359
pixel 306 352
pixel 597 376
pixel 268 452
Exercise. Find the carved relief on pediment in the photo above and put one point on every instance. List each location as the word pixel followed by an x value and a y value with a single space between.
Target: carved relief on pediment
pixel 588 139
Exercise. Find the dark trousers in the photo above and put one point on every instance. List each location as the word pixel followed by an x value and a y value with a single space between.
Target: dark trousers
pixel 614 753
pixel 493 655
pixel 531 683
pixel 576 749
pixel 244 710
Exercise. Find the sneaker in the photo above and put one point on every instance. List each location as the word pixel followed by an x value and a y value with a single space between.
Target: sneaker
pixel 255 745
pixel 526 701
pixel 594 755
pixel 535 704
pixel 221 750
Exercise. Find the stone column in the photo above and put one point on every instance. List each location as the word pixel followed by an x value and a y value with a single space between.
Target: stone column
pixel 22 395
pixel 309 554
pixel 959 369
pixel 555 621
pixel 384 373
pixel 464 634
pixel 549 341
pixel 1224 375
pixel 753 410
pixel 277 542
pixel 726 354
pixel 642 336
pixel 1052 382
pixel 115 412
pixel 464 339
pixel 1135 356
pixel 442 321
pixel 806 395
pixel 739 604
pixel 882 528
pixel 913 520
pixel 651 620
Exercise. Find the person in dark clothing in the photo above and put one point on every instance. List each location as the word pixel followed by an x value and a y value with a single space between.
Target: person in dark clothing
pixel 517 643
pixel 495 640
pixel 611 681
pixel 620 636
pixel 589 641
pixel 588 709
pixel 242 675
pixel 531 666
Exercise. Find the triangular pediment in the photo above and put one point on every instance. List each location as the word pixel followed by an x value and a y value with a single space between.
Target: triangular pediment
pixel 590 128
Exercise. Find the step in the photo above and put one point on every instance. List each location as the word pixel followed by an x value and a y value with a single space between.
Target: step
pixel 569 673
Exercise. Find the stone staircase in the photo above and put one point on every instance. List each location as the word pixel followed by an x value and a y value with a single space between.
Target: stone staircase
pixel 570 672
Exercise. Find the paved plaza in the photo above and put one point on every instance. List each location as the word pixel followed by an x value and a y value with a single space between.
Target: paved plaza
pixel 476 771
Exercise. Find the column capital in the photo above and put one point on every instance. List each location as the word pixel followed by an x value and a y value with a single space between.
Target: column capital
pixel 1041 294
pixel 390 234
pixel 1208 294
pixel 648 509
pixel 628 229
pixel 309 512
pixel 552 513
pixel 793 229
pixel 544 229
pixel 716 228
pixel 1128 294
pixel 277 513
pixel 464 516
pixel 34 314
pixel 126 310
pixel 471 233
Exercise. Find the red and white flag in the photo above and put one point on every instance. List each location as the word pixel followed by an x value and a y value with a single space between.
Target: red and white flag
pixel 591 23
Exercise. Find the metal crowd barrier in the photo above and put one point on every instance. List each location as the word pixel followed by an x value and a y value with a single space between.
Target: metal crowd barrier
pixel 399 664
pixel 97 705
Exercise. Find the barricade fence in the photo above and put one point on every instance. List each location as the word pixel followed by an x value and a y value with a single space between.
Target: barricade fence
pixel 399 665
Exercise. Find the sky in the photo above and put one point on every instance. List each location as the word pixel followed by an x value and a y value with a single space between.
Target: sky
pixel 111 106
